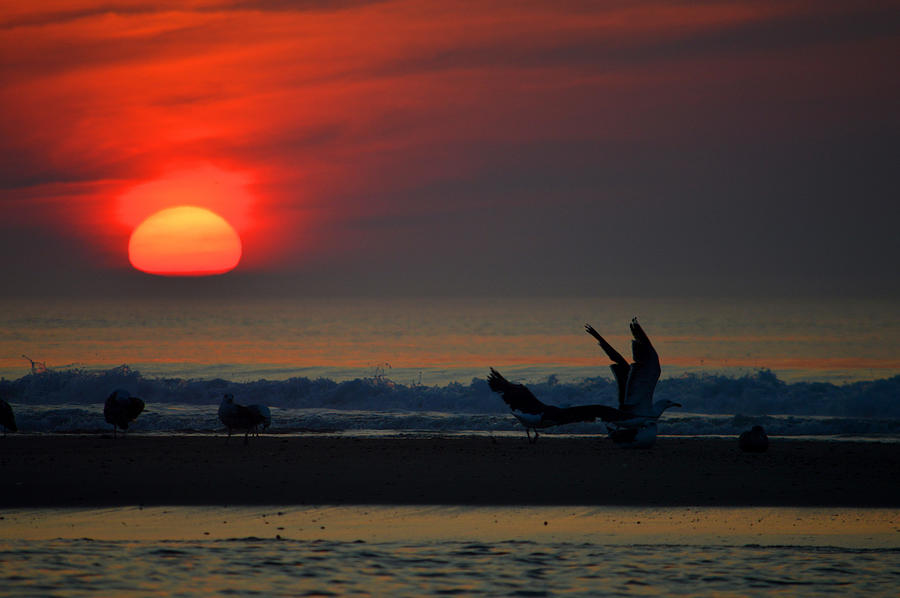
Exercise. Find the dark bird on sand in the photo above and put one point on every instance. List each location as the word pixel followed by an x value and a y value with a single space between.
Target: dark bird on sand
pixel 7 419
pixel 240 417
pixel 634 424
pixel 754 440
pixel 121 409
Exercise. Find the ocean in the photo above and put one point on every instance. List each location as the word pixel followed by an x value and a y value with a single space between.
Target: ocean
pixel 450 551
pixel 823 367
pixel 436 341
pixel 258 567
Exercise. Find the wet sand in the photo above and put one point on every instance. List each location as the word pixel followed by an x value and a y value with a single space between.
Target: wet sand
pixel 97 471
pixel 704 526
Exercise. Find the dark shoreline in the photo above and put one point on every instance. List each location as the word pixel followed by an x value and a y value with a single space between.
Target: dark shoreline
pixel 97 471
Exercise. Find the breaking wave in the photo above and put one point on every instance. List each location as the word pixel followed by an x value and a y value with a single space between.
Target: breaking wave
pixel 71 401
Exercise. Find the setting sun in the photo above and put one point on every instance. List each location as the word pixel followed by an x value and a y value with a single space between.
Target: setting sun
pixel 184 241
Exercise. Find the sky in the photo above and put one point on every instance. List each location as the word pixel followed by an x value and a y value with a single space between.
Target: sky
pixel 460 148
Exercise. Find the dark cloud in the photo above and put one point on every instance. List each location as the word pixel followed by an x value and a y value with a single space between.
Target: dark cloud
pixel 615 47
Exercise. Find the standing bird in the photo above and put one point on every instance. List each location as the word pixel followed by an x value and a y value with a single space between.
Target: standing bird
pixel 7 419
pixel 634 426
pixel 121 409
pixel 263 415
pixel 238 417
pixel 754 440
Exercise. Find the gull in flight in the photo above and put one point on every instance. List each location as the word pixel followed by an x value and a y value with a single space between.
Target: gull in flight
pixel 534 414
pixel 634 423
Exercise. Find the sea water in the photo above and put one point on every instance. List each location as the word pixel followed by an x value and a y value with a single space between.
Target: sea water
pixel 436 341
pixel 258 567
pixel 441 551
pixel 800 368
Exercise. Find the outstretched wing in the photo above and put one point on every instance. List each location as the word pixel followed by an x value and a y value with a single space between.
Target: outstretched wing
pixel 517 396
pixel 619 367
pixel 643 373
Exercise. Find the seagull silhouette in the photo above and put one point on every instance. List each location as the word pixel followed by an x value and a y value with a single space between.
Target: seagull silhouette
pixel 632 423
pixel 7 419
pixel 239 417
pixel 121 409
pixel 263 416
pixel 534 414
pixel 635 423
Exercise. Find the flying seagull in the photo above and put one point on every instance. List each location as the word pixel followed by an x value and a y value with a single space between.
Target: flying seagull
pixel 7 419
pixel 634 425
pixel 534 414
pixel 121 409
pixel 239 417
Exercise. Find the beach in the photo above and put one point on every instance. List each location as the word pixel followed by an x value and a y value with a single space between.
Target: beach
pixel 88 471
pixel 413 514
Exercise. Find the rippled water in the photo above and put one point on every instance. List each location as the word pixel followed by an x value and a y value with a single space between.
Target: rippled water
pixel 253 566
pixel 434 551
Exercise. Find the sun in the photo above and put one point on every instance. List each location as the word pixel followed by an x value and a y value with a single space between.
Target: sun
pixel 184 241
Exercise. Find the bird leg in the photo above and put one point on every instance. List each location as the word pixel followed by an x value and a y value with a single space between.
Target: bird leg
pixel 246 437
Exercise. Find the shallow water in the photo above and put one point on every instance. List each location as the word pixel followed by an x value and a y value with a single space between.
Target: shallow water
pixel 179 419
pixel 377 551
pixel 513 568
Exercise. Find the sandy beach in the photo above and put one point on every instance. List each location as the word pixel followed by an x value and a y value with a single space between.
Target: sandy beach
pixel 95 471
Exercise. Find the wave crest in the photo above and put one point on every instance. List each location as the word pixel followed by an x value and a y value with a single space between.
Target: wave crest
pixel 71 400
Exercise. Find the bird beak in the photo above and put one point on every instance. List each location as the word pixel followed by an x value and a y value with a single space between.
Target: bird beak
pixel 676 404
